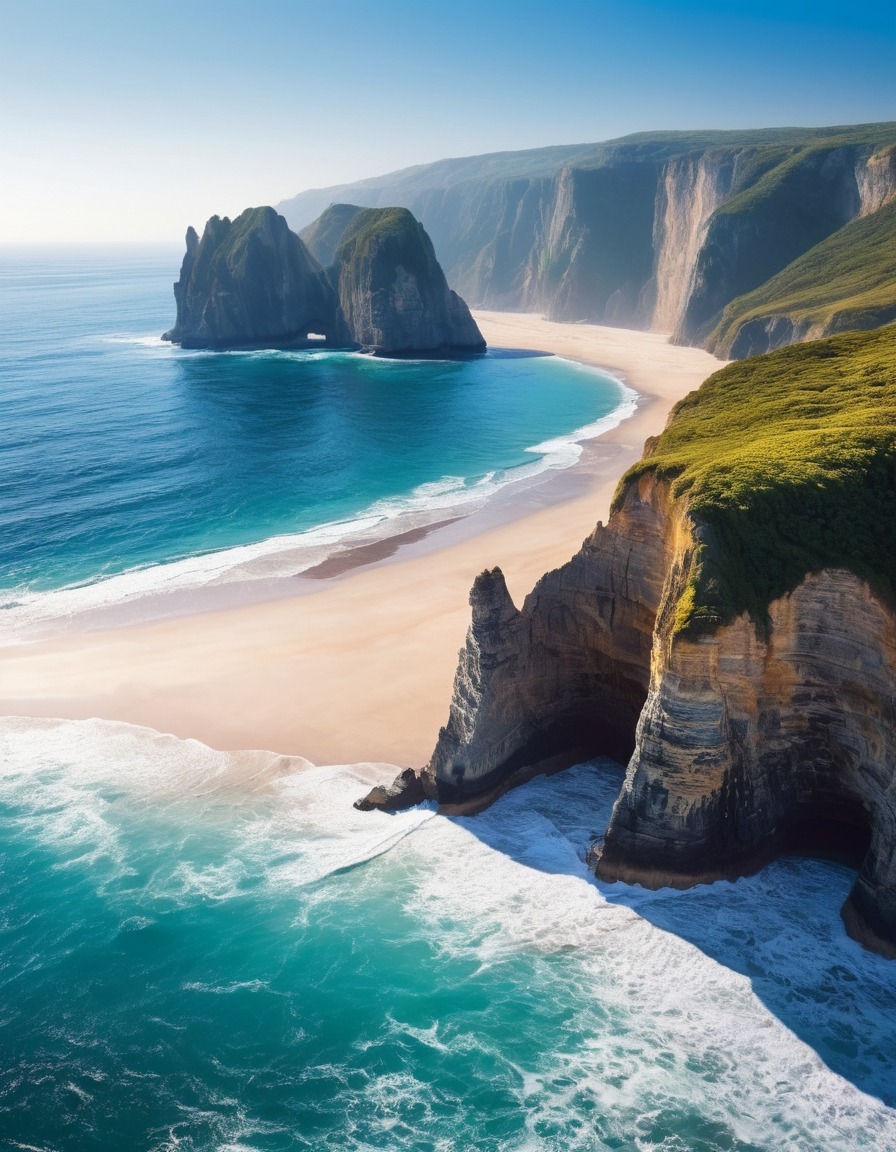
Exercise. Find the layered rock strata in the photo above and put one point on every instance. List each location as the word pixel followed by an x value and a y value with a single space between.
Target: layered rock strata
pixel 750 746
pixel 543 687
pixel 744 746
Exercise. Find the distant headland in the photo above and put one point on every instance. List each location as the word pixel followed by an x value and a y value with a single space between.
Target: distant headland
pixel 737 241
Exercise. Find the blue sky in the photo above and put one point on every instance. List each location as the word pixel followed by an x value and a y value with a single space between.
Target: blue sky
pixel 130 120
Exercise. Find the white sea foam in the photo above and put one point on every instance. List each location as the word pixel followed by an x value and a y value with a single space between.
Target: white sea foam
pixel 138 341
pixel 741 1007
pixel 674 988
pixel 283 556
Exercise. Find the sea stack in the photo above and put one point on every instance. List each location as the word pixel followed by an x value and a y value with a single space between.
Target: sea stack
pixel 393 291
pixel 251 282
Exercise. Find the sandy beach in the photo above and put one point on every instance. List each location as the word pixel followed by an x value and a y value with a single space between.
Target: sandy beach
pixel 358 664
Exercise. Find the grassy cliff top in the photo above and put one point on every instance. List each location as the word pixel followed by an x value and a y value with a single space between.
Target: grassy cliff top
pixel 846 276
pixel 788 465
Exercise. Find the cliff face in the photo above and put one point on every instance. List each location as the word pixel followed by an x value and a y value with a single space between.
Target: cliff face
pixel 846 282
pixel 392 290
pixel 747 747
pixel 690 190
pixel 732 629
pixel 661 231
pixel 544 686
pixel 771 224
pixel 251 281
pixel 744 747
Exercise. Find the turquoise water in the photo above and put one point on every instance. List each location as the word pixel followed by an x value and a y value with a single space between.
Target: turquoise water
pixel 206 952
pixel 119 451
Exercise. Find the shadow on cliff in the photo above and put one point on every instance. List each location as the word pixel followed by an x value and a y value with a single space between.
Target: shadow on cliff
pixel 780 929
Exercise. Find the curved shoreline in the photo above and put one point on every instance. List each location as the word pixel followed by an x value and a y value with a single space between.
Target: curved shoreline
pixel 264 570
pixel 356 666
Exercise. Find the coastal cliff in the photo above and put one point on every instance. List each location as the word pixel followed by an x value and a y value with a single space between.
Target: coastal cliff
pixel 731 631
pixel 254 283
pixel 672 232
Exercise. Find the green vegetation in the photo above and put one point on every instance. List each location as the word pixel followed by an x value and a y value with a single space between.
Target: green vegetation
pixel 788 466
pixel 374 230
pixel 678 143
pixel 847 281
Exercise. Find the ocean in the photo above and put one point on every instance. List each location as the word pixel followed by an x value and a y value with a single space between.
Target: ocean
pixel 211 952
pixel 203 951
pixel 129 467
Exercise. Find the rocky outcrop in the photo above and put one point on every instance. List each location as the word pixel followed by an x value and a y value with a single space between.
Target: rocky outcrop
pixel 393 292
pixel 545 686
pixel 765 334
pixel 404 792
pixel 252 282
pixel 744 746
pixel 876 179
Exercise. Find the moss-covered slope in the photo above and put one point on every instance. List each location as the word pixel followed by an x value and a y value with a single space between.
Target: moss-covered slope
pixel 847 282
pixel 787 463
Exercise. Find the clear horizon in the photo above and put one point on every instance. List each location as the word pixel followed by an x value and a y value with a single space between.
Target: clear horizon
pixel 128 126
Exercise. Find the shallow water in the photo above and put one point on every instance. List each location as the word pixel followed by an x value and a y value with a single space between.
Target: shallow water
pixel 211 952
pixel 120 454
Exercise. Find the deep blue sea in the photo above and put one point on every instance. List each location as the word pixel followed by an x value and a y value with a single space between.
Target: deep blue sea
pixel 122 456
pixel 210 952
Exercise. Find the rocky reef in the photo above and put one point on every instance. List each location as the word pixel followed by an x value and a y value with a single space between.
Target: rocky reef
pixel 251 282
pixel 668 231
pixel 731 632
